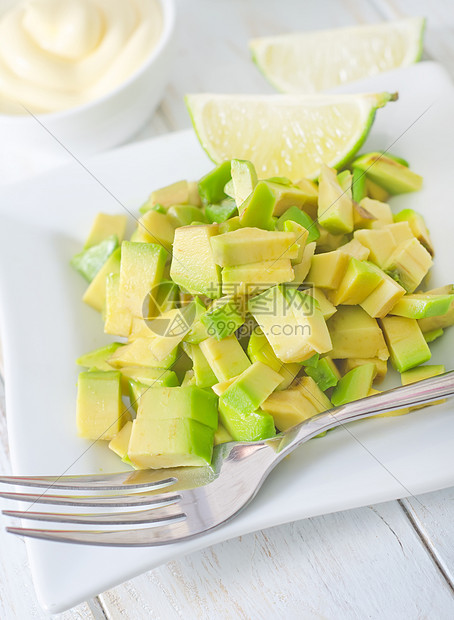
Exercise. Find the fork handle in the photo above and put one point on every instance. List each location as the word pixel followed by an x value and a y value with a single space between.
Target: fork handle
pixel 419 393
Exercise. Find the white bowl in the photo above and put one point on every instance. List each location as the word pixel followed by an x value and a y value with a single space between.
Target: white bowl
pixel 104 122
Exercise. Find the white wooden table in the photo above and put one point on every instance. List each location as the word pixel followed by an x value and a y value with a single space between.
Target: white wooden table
pixel 393 560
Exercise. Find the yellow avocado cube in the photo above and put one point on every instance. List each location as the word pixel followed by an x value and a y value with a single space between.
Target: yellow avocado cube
pixel 335 207
pixel 119 444
pixel 95 295
pixel 155 227
pixel 383 297
pixel 355 249
pixel 400 231
pixel 302 269
pixel 326 307
pixel 381 211
pixel 247 279
pixel 409 264
pixel 380 244
pixel 359 281
pixel 105 226
pixel 355 334
pixel 327 270
pixel 117 320
pixel 381 366
pixel 406 342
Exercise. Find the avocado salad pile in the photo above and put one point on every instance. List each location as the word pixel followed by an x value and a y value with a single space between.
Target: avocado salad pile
pixel 243 307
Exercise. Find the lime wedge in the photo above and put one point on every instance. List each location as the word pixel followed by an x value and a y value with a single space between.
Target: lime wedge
pixel 284 135
pixel 315 61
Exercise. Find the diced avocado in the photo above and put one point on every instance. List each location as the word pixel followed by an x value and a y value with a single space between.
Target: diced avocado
pixel 388 173
pixel 222 435
pixel 327 242
pixel 117 319
pixel 335 209
pixel 379 242
pixel 381 211
pixel 344 178
pixel 228 226
pixel 354 385
pixel 251 388
pixel 433 335
pixel 197 331
pixel 257 210
pixel 301 401
pixel 193 266
pixel 89 261
pixel 211 186
pixel 252 245
pixel 355 334
pixel 384 296
pixel 204 377
pixel 328 269
pixel 302 269
pixel 422 306
pixel 184 215
pixel 295 214
pixel 95 295
pixel 381 366
pixel 170 443
pixel 254 426
pixel 244 179
pixel 188 379
pixel 220 388
pixel 97 359
pixel 302 196
pixel 437 322
pixel 409 264
pixel 405 341
pixel 355 249
pixel 151 377
pixel 155 227
pixel 359 281
pixel 301 236
pixel 225 357
pixel 166 331
pixel 421 372
pixel 292 324
pixel 358 184
pixel 325 306
pixel 224 316
pixel 163 403
pixel 324 373
pixel 217 214
pixel 400 231
pixel 106 226
pixel 136 390
pixel 245 279
pixel 119 444
pixel 418 227
pixel 375 191
pixel 361 217
pixel 181 192
pixel 260 350
pixel 139 353
pixel 311 361
pixel 141 269
pixel 100 410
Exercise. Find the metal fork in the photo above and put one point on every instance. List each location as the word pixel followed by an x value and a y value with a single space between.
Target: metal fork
pixel 201 498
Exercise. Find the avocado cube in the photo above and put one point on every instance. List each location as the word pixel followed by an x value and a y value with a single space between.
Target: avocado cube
pixel 184 215
pixel 328 269
pixel 381 366
pixel 355 249
pixel 216 214
pixel 251 388
pixel 384 297
pixel 172 442
pixel 380 243
pixel 327 242
pixel 167 331
pixel 335 207
pixel 405 341
pixel 359 281
pixel 222 435
pixel 211 186
pixel 260 350
pixel 418 227
pixel 100 410
pixel 117 319
pixel 294 214
pixel 181 192
pixel 354 385
pixel 388 173
pixel 255 426
pixel 151 377
pixel 225 357
pixel 95 295
pixel 224 317
pixel 119 444
pixel 400 231
pixel 155 227
pixel 445 320
pixel 193 267
pixel 355 334
pixel 422 306
pixel 409 264
pixel 140 353
pixel 358 184
pixel 433 335
pixel 324 373
pixel 381 211
pixel 258 208
pixel 302 269
pixel 89 261
pixel 303 195
pixel 301 236
pixel 97 359
pixel 106 226
pixel 252 245
pixel 204 377
pixel 324 305
pixel 247 279
pixel 244 179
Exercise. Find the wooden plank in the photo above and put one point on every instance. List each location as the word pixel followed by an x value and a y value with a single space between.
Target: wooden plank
pixel 365 563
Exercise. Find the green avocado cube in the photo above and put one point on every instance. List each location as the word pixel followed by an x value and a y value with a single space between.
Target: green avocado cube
pixel 335 207
pixel 244 179
pixel 360 280
pixel 198 331
pixel 260 350
pixel 359 190
pixel 255 426
pixel 300 217
pixel 224 317
pixel 251 388
pixel 421 372
pixel 433 335
pixel 193 267
pixel 229 225
pixel 211 186
pixel 95 295
pixel 258 208
pixel 225 357
pixel 216 214
pixel 354 385
pixel 253 245
pixel 100 410
pixel 324 373
pixel 204 377
pixel 406 343
pixel 97 359
pixel 89 261
pixel 150 377
pixel 417 225
pixel 389 173
pixel 184 215
pixel 422 306
pixel 172 442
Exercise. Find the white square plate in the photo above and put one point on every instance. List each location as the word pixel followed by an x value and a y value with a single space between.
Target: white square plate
pixel 45 327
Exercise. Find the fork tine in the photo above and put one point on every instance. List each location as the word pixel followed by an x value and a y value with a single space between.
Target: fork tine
pixel 133 499
pixel 150 516
pixel 98 482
